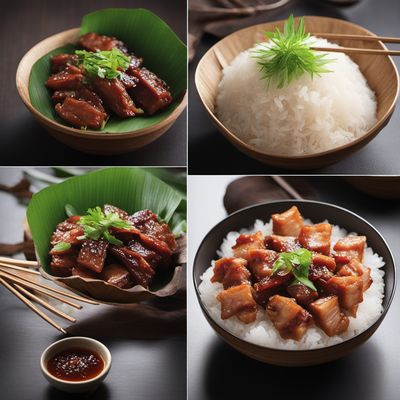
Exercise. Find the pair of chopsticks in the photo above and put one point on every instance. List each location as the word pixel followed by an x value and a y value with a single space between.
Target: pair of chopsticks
pixel 22 288
pixel 355 50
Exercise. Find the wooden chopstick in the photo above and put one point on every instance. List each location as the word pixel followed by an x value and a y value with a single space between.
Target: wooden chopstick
pixel 31 271
pixel 33 286
pixel 44 303
pixel 29 304
pixel 354 50
pixel 20 263
pixel 72 296
pixel 367 38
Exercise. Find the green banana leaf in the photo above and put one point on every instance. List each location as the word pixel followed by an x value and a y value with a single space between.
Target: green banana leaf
pixel 131 189
pixel 146 35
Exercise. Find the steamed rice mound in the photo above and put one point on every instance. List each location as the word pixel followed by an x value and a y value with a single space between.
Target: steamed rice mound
pixel 307 116
pixel 263 333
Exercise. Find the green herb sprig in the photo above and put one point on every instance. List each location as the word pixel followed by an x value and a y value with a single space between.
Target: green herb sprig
pixel 289 56
pixel 298 262
pixel 61 246
pixel 96 225
pixel 105 64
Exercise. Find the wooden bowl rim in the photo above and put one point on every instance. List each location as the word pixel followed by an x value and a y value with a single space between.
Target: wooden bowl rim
pixel 374 130
pixel 376 323
pixel 89 134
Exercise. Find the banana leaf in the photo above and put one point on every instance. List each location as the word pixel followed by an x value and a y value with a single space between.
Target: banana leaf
pixel 131 189
pixel 146 35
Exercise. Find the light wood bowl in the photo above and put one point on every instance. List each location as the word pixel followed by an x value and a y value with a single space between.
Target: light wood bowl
pixel 316 211
pixel 88 141
pixel 380 72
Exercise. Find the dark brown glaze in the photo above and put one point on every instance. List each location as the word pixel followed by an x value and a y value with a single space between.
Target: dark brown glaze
pixel 115 97
pixel 302 294
pixel 147 222
pixel 65 80
pixel 260 262
pixel 154 258
pixel 75 365
pixel 117 275
pixel 60 61
pixel 134 261
pixel 139 269
pixel 93 42
pixel 151 93
pixel 80 113
pixel 93 254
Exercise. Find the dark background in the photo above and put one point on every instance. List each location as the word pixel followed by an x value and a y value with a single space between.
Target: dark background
pixel 211 153
pixel 22 140
pixel 371 372
pixel 148 359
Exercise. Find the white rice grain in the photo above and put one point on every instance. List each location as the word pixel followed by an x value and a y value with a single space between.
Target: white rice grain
pixel 307 116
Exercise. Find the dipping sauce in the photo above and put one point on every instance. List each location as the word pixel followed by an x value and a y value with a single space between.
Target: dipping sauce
pixel 76 364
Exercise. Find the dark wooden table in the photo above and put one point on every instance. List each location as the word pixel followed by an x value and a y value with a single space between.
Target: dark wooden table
pixel 153 368
pixel 211 153
pixel 217 371
pixel 22 140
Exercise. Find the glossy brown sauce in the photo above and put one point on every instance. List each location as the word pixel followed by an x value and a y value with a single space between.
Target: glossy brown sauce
pixel 75 364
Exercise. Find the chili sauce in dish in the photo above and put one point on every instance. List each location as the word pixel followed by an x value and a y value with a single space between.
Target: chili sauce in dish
pixel 75 364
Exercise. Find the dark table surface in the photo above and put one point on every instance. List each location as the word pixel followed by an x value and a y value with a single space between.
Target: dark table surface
pixel 22 140
pixel 211 153
pixel 141 369
pixel 218 371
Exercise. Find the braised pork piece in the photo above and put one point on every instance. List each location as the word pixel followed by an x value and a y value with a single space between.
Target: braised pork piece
pixel 85 96
pixel 296 275
pixel 109 244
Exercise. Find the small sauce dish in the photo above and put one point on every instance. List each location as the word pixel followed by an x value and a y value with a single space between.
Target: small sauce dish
pixel 76 364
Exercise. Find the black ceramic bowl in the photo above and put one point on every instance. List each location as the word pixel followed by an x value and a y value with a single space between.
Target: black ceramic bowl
pixel 317 212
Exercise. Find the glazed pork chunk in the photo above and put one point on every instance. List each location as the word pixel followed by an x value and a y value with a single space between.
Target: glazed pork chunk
pixel 239 301
pixel 93 42
pixel 260 262
pixel 288 223
pixel 231 272
pixel 302 294
pixel 116 275
pixel 290 319
pixel 270 286
pixel 93 254
pixel 282 243
pixel 350 247
pixel 139 269
pixel 246 242
pixel 61 61
pixel 327 315
pixel 81 113
pixel 316 237
pixel 355 268
pixel 348 289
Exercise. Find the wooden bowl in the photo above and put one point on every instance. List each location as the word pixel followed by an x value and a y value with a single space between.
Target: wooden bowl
pixel 316 211
pixel 88 141
pixel 380 72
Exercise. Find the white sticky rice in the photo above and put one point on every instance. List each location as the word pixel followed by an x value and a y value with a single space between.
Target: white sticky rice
pixel 262 332
pixel 309 115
